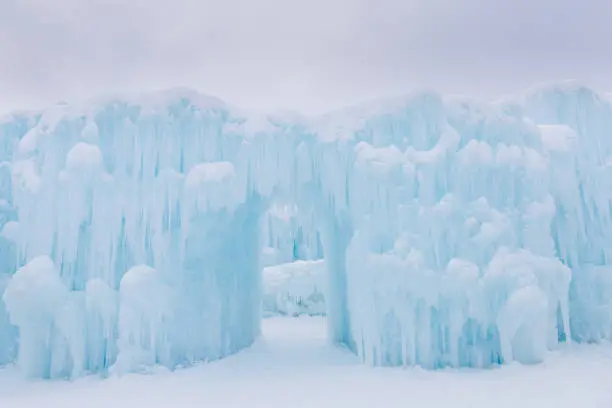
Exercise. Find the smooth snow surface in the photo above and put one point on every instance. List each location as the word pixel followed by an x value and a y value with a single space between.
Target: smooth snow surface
pixel 293 365
pixel 452 233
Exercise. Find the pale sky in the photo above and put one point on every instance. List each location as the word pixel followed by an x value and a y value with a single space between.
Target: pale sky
pixel 309 55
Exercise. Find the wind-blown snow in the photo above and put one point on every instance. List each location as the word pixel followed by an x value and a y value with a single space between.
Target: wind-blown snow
pixel 454 233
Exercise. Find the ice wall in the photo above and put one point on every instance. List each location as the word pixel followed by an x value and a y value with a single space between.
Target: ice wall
pixel 454 232
pixel 150 230
pixel 493 244
pixel 295 288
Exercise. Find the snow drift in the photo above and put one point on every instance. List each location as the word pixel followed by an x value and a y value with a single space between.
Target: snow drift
pixel 454 233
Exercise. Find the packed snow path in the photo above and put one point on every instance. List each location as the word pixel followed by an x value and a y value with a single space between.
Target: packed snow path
pixel 292 365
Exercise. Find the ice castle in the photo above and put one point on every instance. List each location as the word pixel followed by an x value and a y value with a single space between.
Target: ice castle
pixel 453 232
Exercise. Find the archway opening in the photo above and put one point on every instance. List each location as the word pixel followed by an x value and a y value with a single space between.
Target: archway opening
pixel 303 266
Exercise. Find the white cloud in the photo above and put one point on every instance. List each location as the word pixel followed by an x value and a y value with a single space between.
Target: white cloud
pixel 309 55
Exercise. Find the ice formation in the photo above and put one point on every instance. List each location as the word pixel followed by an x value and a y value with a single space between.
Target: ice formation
pixel 133 231
pixel 294 288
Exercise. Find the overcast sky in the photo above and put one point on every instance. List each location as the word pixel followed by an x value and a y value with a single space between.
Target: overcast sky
pixel 308 55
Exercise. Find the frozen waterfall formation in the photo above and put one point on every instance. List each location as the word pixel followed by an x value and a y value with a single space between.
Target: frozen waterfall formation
pixel 453 233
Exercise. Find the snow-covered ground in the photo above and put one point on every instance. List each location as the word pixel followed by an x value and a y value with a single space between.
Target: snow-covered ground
pixel 292 365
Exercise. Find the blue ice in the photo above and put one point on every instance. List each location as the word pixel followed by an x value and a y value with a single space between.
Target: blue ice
pixel 452 232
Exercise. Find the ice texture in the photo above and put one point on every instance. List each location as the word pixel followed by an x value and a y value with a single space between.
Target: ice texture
pixel 295 288
pixel 134 230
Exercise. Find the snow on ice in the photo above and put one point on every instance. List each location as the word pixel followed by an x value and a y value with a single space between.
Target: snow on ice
pixel 294 288
pixel 454 233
